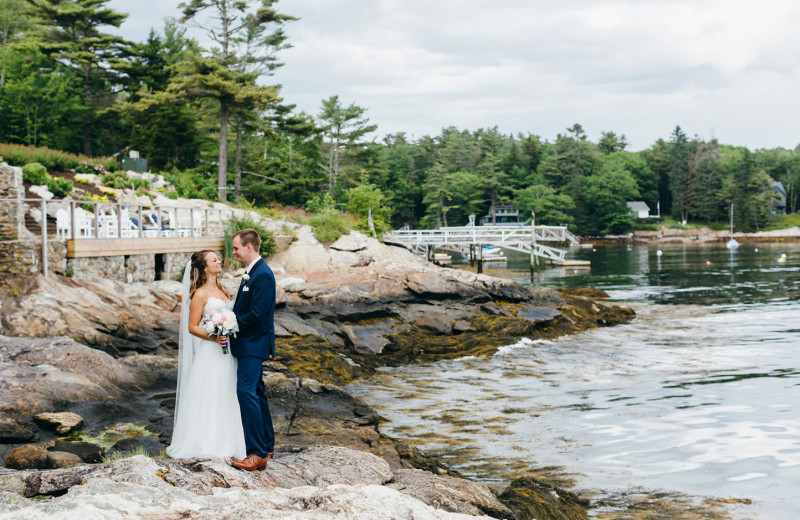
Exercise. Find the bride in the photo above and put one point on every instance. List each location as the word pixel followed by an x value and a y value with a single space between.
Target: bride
pixel 207 419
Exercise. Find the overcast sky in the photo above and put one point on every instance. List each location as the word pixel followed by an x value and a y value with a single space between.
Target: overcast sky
pixel 719 68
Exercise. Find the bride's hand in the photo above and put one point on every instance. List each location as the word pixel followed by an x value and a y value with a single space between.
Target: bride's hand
pixel 222 340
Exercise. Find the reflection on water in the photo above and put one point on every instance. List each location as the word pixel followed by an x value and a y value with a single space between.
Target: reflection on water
pixel 700 396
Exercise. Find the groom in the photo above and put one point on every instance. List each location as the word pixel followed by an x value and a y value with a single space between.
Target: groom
pixel 254 309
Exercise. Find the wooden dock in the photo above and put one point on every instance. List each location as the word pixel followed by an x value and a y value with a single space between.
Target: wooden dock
pixel 573 263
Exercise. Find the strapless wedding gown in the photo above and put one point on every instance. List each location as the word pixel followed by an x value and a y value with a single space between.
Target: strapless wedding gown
pixel 209 424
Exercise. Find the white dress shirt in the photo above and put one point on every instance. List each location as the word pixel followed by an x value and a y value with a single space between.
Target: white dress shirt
pixel 250 267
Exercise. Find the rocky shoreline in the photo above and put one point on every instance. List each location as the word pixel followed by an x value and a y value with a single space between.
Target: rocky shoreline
pixel 702 235
pixel 105 351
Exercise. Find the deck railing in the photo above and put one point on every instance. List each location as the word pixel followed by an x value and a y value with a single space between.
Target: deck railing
pixel 96 220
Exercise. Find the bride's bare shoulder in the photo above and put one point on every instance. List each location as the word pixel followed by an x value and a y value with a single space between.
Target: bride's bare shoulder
pixel 200 296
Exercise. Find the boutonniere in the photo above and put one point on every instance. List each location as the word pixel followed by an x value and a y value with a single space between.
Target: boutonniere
pixel 245 278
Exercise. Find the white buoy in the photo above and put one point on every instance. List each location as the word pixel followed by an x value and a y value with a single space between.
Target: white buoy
pixel 659 253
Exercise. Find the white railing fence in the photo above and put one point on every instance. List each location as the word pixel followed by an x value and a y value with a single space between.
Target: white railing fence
pixel 526 239
pixel 90 220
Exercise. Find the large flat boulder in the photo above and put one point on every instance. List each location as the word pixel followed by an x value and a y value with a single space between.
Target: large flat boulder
pixel 38 372
pixel 315 483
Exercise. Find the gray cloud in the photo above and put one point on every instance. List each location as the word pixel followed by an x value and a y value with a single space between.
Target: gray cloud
pixel 637 67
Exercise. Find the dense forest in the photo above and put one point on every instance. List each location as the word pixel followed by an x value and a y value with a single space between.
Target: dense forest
pixel 214 121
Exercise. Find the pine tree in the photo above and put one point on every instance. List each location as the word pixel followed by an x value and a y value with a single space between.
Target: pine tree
pixel 228 74
pixel 70 33
pixel 679 174
pixel 342 129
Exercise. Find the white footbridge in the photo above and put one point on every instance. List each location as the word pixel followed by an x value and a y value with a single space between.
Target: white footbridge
pixel 538 241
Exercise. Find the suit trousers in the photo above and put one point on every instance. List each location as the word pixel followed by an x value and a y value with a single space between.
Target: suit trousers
pixel 259 436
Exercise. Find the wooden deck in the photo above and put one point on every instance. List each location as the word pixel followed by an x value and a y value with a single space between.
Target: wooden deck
pixel 82 248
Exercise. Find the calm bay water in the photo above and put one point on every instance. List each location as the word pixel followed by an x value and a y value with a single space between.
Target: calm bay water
pixel 698 399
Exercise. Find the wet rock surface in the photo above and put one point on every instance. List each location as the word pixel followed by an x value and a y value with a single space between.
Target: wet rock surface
pixel 530 499
pixel 304 482
pixel 110 316
pixel 382 306
pixel 63 422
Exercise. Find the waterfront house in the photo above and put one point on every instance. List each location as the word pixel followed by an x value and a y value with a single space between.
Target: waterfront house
pixel 778 198
pixel 638 209
pixel 501 215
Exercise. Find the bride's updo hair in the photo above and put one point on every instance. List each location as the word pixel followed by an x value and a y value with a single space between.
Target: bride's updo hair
pixel 198 273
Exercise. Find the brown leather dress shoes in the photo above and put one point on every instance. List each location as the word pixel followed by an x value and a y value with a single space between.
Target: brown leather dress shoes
pixel 251 463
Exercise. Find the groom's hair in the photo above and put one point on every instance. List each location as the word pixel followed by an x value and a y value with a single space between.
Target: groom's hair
pixel 249 236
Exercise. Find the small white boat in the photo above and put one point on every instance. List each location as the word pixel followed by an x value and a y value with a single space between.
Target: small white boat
pixel 442 259
pixel 494 255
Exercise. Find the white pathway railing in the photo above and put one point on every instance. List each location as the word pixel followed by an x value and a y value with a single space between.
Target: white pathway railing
pixel 90 220
pixel 526 239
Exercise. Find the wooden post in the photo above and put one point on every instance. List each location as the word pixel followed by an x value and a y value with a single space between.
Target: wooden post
pixel 119 220
pixel 96 206
pixel 480 259
pixel 44 237
pixel 533 245
pixel 72 220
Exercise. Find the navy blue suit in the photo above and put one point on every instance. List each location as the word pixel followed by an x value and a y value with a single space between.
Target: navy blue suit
pixel 255 342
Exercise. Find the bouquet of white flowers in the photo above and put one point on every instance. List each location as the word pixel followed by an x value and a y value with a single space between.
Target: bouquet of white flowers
pixel 220 324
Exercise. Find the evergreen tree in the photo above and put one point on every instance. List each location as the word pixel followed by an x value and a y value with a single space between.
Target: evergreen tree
pixel 609 143
pixel 70 33
pixel 13 21
pixel 493 181
pixel 565 167
pixel 679 174
pixel 646 179
pixel 551 208
pixel 657 157
pixel 705 174
pixel 342 130
pixel 606 195
pixel 40 104
pixel 167 135
pixel 228 75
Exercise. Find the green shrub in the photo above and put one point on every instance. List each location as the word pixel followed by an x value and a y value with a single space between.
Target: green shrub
pixel 124 455
pixel 53 160
pixel 35 173
pixel 330 224
pixel 320 203
pixel 59 187
pixel 92 198
pixel 170 194
pixel 235 224
pixel 365 198
pixel 191 184
pixel 120 181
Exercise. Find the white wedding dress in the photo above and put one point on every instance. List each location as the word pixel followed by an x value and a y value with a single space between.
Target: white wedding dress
pixel 207 419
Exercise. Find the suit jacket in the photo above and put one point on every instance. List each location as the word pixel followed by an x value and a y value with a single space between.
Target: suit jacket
pixel 255 312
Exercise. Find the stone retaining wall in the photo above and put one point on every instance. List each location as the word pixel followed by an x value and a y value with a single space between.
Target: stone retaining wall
pixel 130 268
pixel 25 256
pixel 11 213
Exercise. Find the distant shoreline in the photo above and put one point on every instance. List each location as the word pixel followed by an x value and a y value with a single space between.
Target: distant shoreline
pixel 702 235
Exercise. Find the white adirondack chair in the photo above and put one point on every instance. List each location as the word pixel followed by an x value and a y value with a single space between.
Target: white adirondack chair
pixel 62 224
